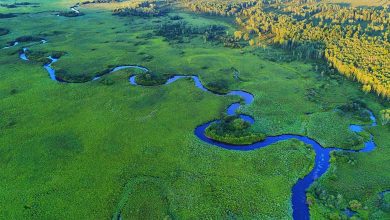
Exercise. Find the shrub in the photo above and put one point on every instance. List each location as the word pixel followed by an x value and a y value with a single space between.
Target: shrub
pixel 355 205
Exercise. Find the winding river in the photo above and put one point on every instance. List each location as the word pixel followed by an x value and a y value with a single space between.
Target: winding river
pixel 299 205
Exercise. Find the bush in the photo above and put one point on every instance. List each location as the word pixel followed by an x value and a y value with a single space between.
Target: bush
pixel 143 9
pixel 355 205
pixel 27 38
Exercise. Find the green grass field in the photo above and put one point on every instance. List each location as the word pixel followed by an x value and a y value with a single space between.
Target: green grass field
pixel 92 150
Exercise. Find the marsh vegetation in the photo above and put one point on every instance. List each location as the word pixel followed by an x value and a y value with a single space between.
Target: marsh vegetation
pixel 104 147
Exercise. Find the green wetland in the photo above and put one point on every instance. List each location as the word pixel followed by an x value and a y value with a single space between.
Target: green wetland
pixel 97 147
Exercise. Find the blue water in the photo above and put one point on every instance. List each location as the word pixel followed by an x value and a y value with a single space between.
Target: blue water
pixel 50 70
pixel 349 213
pixel 23 55
pixel 356 128
pixel 321 163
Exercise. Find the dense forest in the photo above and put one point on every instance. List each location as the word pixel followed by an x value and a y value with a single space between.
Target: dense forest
pixel 355 41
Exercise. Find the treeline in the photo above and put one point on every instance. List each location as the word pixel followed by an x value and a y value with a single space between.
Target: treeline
pixel 355 41
pixel 142 9
pixel 224 8
pixel 177 30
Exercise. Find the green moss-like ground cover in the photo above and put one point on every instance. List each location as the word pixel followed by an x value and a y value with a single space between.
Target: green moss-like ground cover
pixel 86 151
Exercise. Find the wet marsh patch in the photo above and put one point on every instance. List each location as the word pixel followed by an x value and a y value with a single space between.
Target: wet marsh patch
pixel 4 31
pixel 20 4
pixel 63 145
pixel 147 199
pixel 7 15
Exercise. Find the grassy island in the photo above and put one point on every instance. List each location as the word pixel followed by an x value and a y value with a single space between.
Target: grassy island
pixel 233 130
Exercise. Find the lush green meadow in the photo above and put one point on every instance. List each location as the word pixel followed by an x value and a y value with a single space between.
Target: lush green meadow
pixel 96 149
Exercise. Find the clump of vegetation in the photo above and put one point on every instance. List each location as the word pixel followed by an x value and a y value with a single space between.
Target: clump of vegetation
pixel 175 18
pixel 356 109
pixel 19 4
pixel 384 201
pixel 175 30
pixel 231 42
pixel 28 38
pixel 213 32
pixel 4 31
pixel 233 130
pixel 70 14
pixel 25 39
pixel 353 106
pixel 142 9
pixel 63 76
pixel 345 157
pixel 7 15
pixel 216 7
pixel 151 79
pixel 40 57
pixel 312 94
pixel 98 1
pixel 353 141
pixel 57 54
pixel 220 86
pixel 385 116
pixel 178 30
